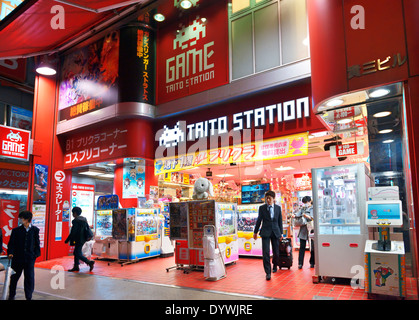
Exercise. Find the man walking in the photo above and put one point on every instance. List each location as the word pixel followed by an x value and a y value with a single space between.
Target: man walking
pixel 271 232
pixel 77 238
pixel 23 249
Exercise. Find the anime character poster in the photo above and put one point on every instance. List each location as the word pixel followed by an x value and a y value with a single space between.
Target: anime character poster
pixel 133 178
pixel 40 184
pixel 90 75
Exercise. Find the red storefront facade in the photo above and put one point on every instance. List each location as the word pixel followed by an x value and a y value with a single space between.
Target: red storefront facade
pixel 344 59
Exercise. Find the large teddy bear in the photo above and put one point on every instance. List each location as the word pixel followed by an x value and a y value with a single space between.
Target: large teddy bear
pixel 202 189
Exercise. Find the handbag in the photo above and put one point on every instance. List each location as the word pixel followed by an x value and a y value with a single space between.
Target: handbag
pixel 299 219
pixel 88 234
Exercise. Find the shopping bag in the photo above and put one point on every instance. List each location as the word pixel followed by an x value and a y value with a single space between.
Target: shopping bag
pixel 9 272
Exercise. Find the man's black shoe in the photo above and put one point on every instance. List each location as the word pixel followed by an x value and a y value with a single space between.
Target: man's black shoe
pixel 268 276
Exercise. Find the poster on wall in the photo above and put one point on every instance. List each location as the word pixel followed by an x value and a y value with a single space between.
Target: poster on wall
pixel 38 220
pixel 89 78
pixel 9 212
pixel 133 178
pixel 83 196
pixel 40 184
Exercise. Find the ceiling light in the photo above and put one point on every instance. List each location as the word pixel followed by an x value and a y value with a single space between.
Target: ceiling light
pixel 159 17
pixel 107 175
pixel 224 175
pixel 90 172
pixel 45 69
pixel 382 114
pixel 334 103
pixel 135 160
pixel 186 4
pixel 379 93
pixel 342 121
pixel 385 131
pixel 249 180
pixel 281 168
pixel 388 141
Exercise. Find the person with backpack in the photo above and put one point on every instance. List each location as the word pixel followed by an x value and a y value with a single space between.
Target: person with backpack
pixel 80 233
pixel 301 219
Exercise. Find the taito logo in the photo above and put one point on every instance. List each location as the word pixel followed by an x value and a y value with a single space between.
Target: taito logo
pixel 14 143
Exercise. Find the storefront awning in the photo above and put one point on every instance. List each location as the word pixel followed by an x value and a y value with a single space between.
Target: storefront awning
pixel 46 26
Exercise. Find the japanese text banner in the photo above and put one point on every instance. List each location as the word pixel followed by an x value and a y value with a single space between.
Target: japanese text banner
pixel 277 148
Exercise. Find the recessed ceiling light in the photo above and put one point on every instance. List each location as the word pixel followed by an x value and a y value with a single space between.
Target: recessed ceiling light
pixel 45 70
pixel 159 17
pixel 385 131
pixel 107 175
pixel 388 141
pixel 379 93
pixel 342 121
pixel 382 114
pixel 224 175
pixel 334 103
pixel 281 168
pixel 186 4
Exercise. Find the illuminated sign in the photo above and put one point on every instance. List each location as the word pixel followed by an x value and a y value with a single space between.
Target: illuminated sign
pixel 276 148
pixel 275 113
pixel 193 54
pixel 14 143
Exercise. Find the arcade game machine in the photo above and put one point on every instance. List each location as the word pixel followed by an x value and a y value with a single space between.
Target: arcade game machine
pixel 339 195
pixel 247 216
pixel 226 218
pixel 105 247
pixel 385 272
pixel 136 231
pixel 147 240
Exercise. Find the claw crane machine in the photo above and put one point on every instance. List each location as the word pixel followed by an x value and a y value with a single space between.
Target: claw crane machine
pixel 247 216
pixel 227 230
pixel 340 232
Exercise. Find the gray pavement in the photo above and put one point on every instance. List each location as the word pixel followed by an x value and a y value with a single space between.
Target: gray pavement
pixel 64 285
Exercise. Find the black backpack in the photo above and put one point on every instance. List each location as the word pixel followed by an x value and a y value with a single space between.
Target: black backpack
pixel 88 234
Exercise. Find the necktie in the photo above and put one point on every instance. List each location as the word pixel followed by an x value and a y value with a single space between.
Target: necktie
pixel 271 212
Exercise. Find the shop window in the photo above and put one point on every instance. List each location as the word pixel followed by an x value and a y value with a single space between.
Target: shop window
pixel 266 34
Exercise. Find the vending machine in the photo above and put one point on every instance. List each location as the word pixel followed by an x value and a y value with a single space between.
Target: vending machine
pixel 226 226
pixel 339 195
pixel 247 216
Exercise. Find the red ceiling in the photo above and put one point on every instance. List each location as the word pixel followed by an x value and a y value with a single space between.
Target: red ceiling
pixel 27 30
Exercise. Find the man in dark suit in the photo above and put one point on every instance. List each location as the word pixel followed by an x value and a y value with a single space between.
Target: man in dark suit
pixel 270 217
pixel 23 248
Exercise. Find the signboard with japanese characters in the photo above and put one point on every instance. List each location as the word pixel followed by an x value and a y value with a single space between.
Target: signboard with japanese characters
pixel 277 148
pixel 13 179
pixel 93 147
pixel 193 53
pixel 14 143
pixel 9 212
pixel 348 149
pixel 386 59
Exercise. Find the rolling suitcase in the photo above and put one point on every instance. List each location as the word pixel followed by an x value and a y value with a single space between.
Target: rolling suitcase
pixel 285 253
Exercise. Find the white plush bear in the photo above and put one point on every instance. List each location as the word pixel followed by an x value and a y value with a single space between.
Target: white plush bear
pixel 202 189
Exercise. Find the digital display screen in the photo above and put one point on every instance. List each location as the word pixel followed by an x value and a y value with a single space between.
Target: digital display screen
pixel 388 211
pixel 254 193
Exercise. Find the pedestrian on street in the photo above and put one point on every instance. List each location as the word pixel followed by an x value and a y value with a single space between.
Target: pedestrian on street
pixel 77 238
pixel 23 248
pixel 270 217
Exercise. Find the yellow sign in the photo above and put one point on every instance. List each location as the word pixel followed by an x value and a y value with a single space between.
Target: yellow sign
pixel 271 149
